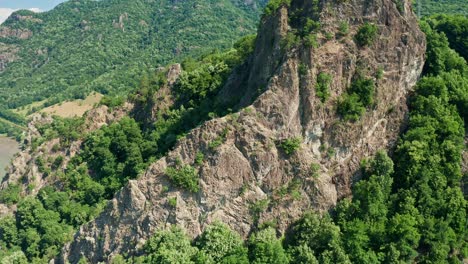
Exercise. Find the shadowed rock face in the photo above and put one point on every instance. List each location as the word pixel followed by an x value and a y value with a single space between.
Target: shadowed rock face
pixel 249 167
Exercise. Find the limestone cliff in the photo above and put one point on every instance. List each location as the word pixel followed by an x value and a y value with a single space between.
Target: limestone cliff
pixel 242 175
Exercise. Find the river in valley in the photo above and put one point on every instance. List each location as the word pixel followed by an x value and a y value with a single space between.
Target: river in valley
pixel 8 148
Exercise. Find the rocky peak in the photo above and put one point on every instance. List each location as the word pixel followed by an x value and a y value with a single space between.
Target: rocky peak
pixel 241 177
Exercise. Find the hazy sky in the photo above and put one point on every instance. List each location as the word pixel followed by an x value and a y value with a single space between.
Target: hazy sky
pixel 8 6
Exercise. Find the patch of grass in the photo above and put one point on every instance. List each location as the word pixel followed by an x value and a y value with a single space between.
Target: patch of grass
pixel 215 143
pixel 185 177
pixel 303 68
pixel 311 41
pixel 359 96
pixel 343 28
pixel 322 87
pixel 290 145
pixel 172 202
pixel 199 158
pixel 314 170
pixel 219 140
pixel 258 207
pixel 11 194
pixel 366 34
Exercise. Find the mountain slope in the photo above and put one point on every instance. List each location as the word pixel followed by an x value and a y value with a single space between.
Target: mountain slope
pixel 106 46
pixel 431 7
pixel 257 145
pixel 288 150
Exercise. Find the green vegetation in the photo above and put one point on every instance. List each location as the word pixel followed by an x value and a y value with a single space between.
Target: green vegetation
pixel 314 170
pixel 315 239
pixel 219 244
pixel 172 202
pixel 322 87
pixel 290 41
pixel 185 177
pixel 171 246
pixel 304 22
pixel 265 247
pixel 37 231
pixel 258 207
pixel 400 4
pixel 108 46
pixel 431 7
pixel 10 195
pixel 366 34
pixel 11 123
pixel 343 28
pixel 407 210
pixel 199 158
pixel 456 30
pixel 112 101
pixel 10 129
pixel 311 41
pixel 359 96
pixel 290 145
pixel 114 154
pixel 412 210
pixel 274 5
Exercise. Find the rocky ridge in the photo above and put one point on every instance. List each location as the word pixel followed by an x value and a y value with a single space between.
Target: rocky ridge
pixel 24 169
pixel 240 177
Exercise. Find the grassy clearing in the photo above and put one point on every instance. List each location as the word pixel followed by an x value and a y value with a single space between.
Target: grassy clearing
pixel 73 108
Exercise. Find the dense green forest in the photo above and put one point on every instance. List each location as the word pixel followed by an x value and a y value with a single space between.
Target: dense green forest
pixel 107 46
pixel 409 209
pixel 431 7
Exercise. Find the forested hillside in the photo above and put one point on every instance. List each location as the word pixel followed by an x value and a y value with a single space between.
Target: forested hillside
pixel 115 154
pixel 407 210
pixel 431 7
pixel 107 46
pixel 261 120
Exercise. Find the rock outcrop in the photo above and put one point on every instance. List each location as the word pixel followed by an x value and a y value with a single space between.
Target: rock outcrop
pixel 8 52
pixel 6 32
pixel 25 170
pixel 247 178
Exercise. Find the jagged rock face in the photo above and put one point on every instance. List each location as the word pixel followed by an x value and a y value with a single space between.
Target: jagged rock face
pixel 6 32
pixel 248 167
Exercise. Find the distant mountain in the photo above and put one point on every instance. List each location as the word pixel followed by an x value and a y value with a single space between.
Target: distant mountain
pixel 430 7
pixel 106 46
